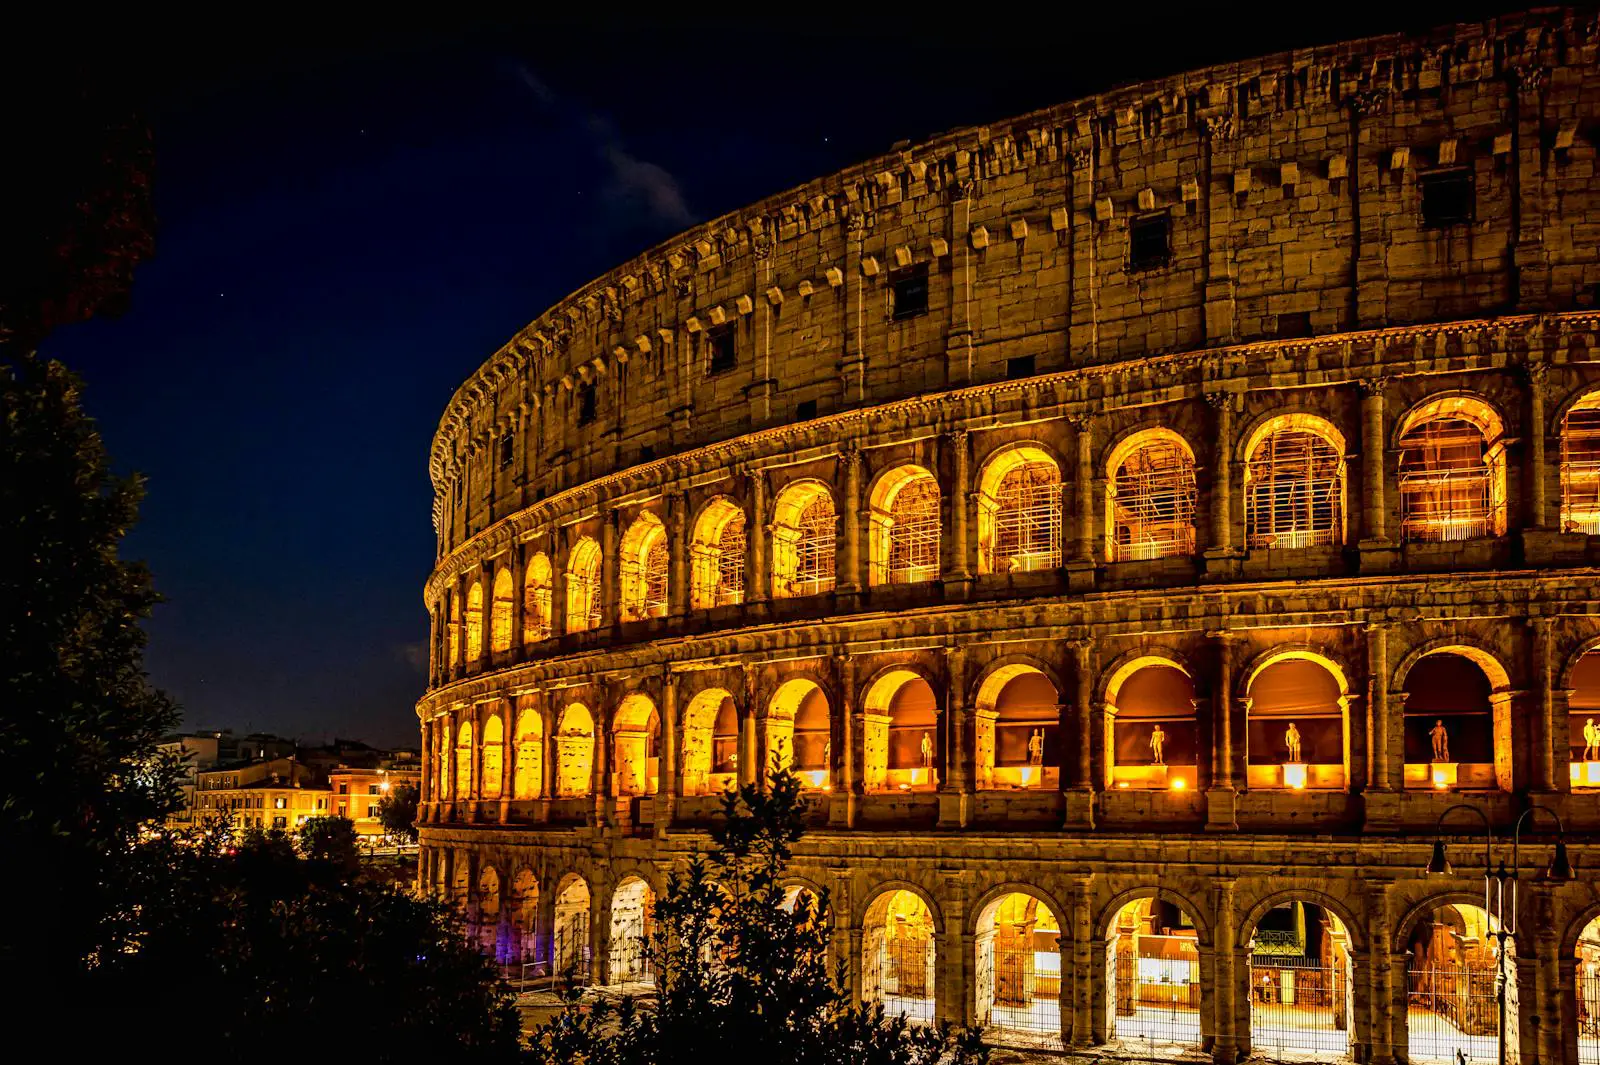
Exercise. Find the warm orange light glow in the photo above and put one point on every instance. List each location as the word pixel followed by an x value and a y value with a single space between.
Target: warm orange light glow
pixel 817 778
pixel 1441 779
pixel 1294 775
pixel 1178 784
pixel 1122 783
pixel 1026 776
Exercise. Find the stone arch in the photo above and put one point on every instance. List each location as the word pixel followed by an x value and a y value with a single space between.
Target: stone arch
pixel 1336 906
pixel 488 913
pixel 888 887
pixel 1451 468
pixel 804 537
pixel 901 927
pixel 1294 482
pixel 1151 495
pixel 570 943
pixel 1019 508
pixel 474 621
pixel 698 753
pixel 1483 768
pixel 1017 963
pixel 1407 924
pixel 902 710
pixel 1159 983
pixel 799 730
pixel 995 892
pixel 1267 764
pixel 500 612
pixel 537 589
pixel 1452 977
pixel 528 768
pixel 574 743
pixel 1571 662
pixel 1584 916
pixel 1201 919
pixel 523 905
pixel 644 566
pixel 461 780
pixel 636 742
pixel 1152 735
pixel 583 585
pixel 631 927
pixel 1115 673
pixel 491 768
pixel 1016 725
pixel 904 526
pixel 716 554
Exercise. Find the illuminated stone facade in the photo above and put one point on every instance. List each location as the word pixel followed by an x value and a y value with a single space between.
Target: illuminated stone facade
pixel 1177 498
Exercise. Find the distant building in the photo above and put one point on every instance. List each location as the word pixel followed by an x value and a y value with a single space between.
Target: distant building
pixel 357 790
pixel 198 750
pixel 275 793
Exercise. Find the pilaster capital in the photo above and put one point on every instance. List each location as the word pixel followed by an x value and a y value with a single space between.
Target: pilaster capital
pixel 1222 400
pixel 1372 386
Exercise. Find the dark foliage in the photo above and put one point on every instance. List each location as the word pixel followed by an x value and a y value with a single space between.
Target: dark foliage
pixel 331 841
pixel 397 812
pixel 742 972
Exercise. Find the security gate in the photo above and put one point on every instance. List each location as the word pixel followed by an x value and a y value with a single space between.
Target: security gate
pixel 1588 1016
pixel 1156 994
pixel 1453 1015
pixel 1299 1008
pixel 1026 994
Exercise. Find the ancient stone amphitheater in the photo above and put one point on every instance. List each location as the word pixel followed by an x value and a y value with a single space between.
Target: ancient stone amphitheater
pixel 1137 522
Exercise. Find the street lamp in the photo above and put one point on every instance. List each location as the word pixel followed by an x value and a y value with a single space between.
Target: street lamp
pixel 1502 920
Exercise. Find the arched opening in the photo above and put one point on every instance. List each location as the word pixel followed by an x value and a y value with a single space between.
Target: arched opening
pixel 1018 975
pixel 524 904
pixel 799 899
pixel 644 569
pixel 475 621
pixel 725 746
pixel 492 771
pixel 1457 721
pixel 489 915
pixel 716 556
pixel 461 894
pixel 1150 497
pixel 1580 466
pixel 898 956
pixel 1452 1000
pixel 904 531
pixel 461 785
pixel 1019 512
pixel 1452 471
pixel 530 755
pixel 1154 965
pixel 632 923
pixel 1151 715
pixel 1300 983
pixel 804 535
pixel 1587 993
pixel 1294 484
pixel 455 631
pixel 636 743
pixel 536 589
pixel 500 612
pixel 1583 722
pixel 699 742
pixel 569 949
pixel 1016 729
pixel 798 736
pixel 901 735
pixel 583 586
pixel 574 752
pixel 1296 734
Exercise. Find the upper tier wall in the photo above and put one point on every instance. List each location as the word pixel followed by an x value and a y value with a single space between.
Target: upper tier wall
pixel 1293 192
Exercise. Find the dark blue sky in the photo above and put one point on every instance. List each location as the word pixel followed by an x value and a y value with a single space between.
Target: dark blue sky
pixel 347 229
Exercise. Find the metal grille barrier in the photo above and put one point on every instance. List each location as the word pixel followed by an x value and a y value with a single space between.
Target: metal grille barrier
pixel 570 950
pixel 1452 1015
pixel 1026 1006
pixel 1580 471
pixel 1294 492
pixel 1156 1000
pixel 1298 1008
pixel 1588 1018
pixel 903 980
pixel 1028 520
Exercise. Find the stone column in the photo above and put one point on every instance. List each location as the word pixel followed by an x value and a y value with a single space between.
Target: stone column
pixel 1081 566
pixel 1537 474
pixel 425 789
pixel 670 786
pixel 610 570
pixel 1222 796
pixel 848 572
pixel 848 791
pixel 1530 264
pixel 1083 938
pixel 600 769
pixel 1542 775
pixel 958 341
pixel 1378 553
pixel 558 587
pixel 547 755
pixel 517 559
pixel 956 562
pixel 1080 795
pixel 1376 982
pixel 486 617
pixel 846 936
pixel 1220 556
pixel 1385 743
pixel 757 573
pixel 458 666
pixel 678 553
pixel 1225 1046
pixel 952 995
pixel 955 787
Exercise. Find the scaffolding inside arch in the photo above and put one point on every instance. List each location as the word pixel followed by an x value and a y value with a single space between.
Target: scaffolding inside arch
pixel 814 549
pixel 1296 492
pixel 730 564
pixel 1448 490
pixel 1153 500
pixel 1027 520
pixel 1580 471
pixel 914 536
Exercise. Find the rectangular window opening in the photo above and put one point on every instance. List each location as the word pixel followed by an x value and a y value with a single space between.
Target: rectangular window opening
pixel 1149 242
pixel 1019 367
pixel 1446 198
pixel 722 352
pixel 587 396
pixel 1294 325
pixel 508 448
pixel 909 291
pixel 805 410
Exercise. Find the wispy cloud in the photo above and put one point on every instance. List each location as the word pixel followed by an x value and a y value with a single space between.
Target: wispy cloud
pixel 631 182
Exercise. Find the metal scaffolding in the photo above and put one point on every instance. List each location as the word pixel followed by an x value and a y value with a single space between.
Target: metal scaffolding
pixel 654 580
pixel 1447 487
pixel 813 570
pixel 730 562
pixel 1294 497
pixel 914 534
pixel 1580 471
pixel 536 611
pixel 1027 521
pixel 1152 503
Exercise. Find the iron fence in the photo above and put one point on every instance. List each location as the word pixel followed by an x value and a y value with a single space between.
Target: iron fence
pixel 1452 1015
pixel 1026 997
pixel 1588 1017
pixel 1298 1007
pixel 1156 1000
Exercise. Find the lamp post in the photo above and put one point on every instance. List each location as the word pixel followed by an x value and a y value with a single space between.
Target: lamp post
pixel 1502 919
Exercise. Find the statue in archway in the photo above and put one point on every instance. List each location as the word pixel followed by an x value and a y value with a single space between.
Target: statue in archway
pixel 1292 739
pixel 1158 742
pixel 1441 741
pixel 1591 741
pixel 1036 747
pixel 927 750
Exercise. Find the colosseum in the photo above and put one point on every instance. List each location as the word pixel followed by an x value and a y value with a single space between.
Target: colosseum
pixel 1148 526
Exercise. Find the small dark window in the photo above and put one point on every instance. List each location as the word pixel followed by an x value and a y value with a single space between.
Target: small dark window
pixel 1149 241
pixel 1021 366
pixel 508 447
pixel 647 452
pixel 460 489
pixel 1293 325
pixel 805 410
pixel 721 352
pixel 909 290
pixel 586 402
pixel 1446 198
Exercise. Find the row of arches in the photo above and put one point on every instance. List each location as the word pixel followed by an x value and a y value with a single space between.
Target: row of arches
pixel 1299 971
pixel 1455 728
pixel 1452 481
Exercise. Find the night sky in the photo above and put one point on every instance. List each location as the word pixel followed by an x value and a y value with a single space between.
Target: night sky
pixel 349 228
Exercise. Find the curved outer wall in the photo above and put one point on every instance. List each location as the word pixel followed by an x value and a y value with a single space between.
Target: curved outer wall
pixel 1301 273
